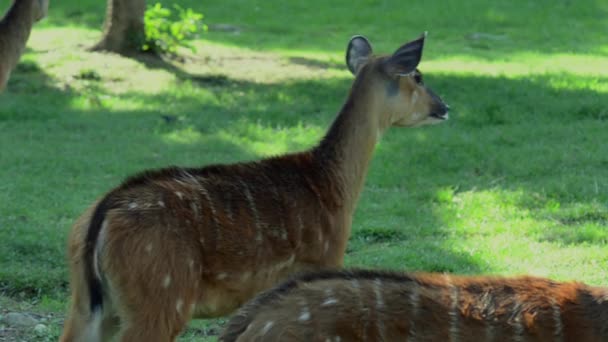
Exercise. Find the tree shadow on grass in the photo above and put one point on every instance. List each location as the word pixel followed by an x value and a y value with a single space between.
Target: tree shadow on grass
pixel 152 61
pixel 22 100
pixel 316 64
pixel 205 80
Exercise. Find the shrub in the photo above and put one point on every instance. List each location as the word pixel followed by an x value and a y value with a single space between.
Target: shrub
pixel 167 29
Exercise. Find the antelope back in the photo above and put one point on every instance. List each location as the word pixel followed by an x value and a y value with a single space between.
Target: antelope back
pixel 382 306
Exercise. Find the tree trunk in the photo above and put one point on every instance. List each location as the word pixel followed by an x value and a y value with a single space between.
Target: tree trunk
pixel 124 27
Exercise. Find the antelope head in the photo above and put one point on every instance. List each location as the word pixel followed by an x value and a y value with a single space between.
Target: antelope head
pixel 395 84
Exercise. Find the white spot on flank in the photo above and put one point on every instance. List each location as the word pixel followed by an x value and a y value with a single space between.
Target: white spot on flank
pixel 415 307
pixel 454 315
pixel 517 323
pixel 557 318
pixel 329 301
pixel 487 312
pixel 211 206
pixel 487 305
pixel 254 211
pixel 161 204
pixel 304 315
pixel 267 327
pixel 195 210
pixel 283 264
pixel 179 195
pixel 178 305
pixel 149 247
pixel 167 281
pixel 378 292
pixel 379 307
pixel 227 206
pixel 132 205
pixel 188 175
pixel 357 293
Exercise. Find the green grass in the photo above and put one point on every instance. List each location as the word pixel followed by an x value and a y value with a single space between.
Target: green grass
pixel 516 182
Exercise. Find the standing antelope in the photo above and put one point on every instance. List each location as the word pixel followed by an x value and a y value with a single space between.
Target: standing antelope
pixel 15 29
pixel 177 243
pixel 372 306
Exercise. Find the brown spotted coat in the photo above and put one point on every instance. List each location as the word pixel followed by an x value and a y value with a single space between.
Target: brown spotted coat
pixel 366 305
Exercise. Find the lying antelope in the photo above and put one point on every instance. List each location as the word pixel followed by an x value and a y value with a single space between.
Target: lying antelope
pixel 169 245
pixel 372 306
pixel 15 30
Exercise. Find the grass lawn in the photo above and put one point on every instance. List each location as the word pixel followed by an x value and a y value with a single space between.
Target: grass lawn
pixel 516 182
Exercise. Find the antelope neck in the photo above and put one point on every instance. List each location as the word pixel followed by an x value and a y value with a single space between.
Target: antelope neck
pixel 348 146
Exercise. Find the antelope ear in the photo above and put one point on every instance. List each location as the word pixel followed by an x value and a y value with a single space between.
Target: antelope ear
pixel 357 53
pixel 406 58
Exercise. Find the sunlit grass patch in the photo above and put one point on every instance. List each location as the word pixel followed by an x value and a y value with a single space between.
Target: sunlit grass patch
pixel 523 64
pixel 268 141
pixel 508 227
